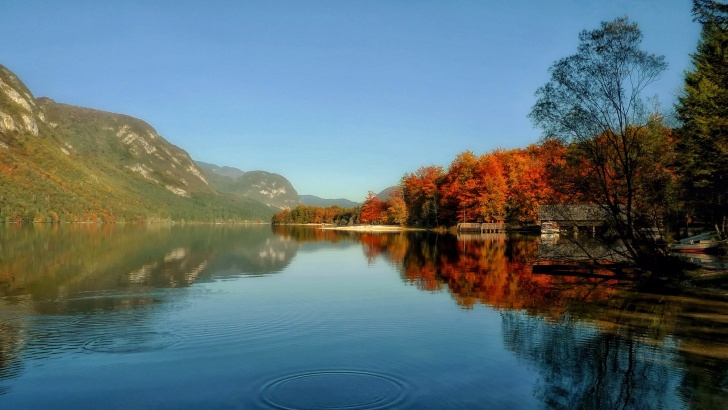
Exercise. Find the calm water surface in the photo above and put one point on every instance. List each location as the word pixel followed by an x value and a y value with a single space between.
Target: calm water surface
pixel 260 317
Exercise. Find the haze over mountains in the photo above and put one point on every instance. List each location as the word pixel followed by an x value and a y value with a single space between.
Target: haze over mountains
pixel 60 162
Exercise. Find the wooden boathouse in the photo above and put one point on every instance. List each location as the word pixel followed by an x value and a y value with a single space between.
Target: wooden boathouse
pixel 495 224
pixel 573 216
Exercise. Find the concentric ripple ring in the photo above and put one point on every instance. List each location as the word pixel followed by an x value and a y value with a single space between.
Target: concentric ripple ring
pixel 334 389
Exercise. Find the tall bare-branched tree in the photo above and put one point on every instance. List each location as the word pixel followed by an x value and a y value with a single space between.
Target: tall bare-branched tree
pixel 594 103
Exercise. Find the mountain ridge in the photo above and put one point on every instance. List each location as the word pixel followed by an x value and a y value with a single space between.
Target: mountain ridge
pixel 60 162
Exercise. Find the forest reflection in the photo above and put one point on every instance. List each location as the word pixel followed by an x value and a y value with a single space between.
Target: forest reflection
pixel 490 269
pixel 597 343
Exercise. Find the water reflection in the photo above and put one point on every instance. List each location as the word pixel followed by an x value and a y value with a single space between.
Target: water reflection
pixel 88 289
pixel 490 269
pixel 582 367
pixel 61 286
pixel 596 342
pixel 51 262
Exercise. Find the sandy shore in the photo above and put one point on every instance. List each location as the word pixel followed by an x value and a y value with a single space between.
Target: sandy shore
pixel 365 228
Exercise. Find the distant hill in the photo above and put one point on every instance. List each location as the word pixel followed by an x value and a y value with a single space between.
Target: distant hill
pixel 387 193
pixel 312 200
pixel 271 189
pixel 60 162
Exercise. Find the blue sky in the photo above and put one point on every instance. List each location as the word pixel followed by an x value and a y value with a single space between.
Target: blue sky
pixel 340 97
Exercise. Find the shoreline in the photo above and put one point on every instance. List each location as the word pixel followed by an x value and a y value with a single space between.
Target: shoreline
pixel 364 228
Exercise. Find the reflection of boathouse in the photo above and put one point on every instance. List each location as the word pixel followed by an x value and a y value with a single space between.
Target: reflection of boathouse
pixel 573 216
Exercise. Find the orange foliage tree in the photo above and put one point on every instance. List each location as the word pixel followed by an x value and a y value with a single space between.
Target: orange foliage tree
pixel 421 195
pixel 460 189
pixel 503 183
pixel 373 210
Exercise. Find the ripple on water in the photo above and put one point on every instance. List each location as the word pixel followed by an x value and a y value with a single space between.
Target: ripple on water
pixel 334 389
pixel 273 322
pixel 41 322
pixel 132 342
pixel 35 337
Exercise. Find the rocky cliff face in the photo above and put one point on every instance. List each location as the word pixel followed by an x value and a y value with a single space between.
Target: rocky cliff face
pixel 112 140
pixel 269 188
pixel 18 111
pixel 58 159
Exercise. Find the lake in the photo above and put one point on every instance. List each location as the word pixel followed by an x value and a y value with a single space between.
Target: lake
pixel 168 317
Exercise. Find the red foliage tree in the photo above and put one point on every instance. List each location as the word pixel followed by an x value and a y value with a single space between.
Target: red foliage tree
pixel 373 210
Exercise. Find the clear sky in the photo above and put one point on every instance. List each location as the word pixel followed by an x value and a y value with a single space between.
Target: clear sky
pixel 340 97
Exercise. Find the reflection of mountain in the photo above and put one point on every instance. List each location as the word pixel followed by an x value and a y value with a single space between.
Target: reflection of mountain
pixel 53 278
pixel 44 261
pixel 252 251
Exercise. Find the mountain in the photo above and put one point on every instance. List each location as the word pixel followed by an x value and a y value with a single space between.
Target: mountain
pixel 60 162
pixel 387 193
pixel 312 200
pixel 222 171
pixel 271 189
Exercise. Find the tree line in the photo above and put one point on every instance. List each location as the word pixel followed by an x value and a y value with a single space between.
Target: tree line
pixel 603 144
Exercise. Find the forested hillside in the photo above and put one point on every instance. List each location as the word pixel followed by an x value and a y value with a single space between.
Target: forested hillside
pixel 63 163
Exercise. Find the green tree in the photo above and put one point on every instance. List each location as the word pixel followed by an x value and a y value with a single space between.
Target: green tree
pixel 703 110
pixel 594 103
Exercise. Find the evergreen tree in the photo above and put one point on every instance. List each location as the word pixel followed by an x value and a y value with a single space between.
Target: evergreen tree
pixel 703 110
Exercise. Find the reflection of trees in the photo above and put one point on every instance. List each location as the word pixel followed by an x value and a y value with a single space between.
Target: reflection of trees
pixel 596 344
pixel 585 368
pixel 633 350
pixel 490 269
pixel 705 383
pixel 302 234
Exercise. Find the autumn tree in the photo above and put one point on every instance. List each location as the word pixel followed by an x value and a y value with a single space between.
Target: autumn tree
pixel 373 209
pixel 494 187
pixel 529 181
pixel 420 192
pixel 460 189
pixel 396 209
pixel 593 102
pixel 703 110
